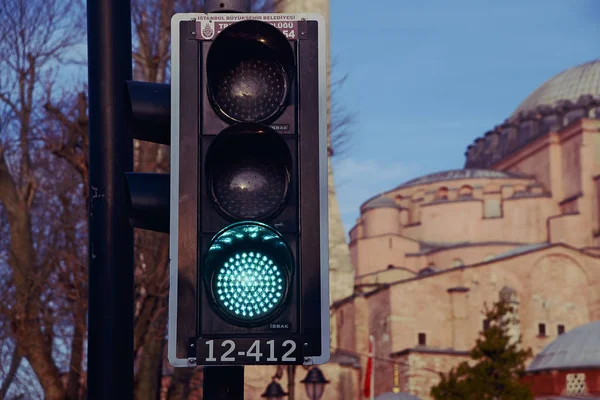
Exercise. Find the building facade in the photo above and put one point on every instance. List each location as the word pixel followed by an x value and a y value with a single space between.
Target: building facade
pixel 520 221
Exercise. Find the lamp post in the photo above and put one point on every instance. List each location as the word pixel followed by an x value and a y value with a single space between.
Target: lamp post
pixel 315 383
pixel 274 391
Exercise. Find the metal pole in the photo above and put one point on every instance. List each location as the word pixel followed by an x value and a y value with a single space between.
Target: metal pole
pixel 223 383
pixel 291 382
pixel 110 318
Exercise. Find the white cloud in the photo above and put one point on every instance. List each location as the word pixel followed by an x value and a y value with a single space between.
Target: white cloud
pixel 357 180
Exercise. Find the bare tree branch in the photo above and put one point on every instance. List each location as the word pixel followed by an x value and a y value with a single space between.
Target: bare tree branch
pixel 36 34
pixel 15 362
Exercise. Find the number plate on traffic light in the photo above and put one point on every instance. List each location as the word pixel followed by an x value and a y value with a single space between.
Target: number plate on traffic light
pixel 248 351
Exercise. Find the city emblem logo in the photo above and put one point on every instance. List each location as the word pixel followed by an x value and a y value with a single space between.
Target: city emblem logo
pixel 208 29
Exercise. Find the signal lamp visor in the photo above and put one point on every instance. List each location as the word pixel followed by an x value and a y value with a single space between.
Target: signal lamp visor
pixel 248 268
pixel 250 67
pixel 248 168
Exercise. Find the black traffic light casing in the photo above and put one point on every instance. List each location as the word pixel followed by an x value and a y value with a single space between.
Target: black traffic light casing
pixel 148 114
pixel 249 257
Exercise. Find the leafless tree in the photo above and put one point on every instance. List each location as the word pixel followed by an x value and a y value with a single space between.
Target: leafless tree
pixel 66 139
pixel 341 120
pixel 32 43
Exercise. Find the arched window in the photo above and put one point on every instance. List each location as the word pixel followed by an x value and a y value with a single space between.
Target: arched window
pixel 442 193
pixel 465 191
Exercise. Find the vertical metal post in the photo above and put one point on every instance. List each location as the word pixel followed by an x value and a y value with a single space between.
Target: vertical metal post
pixel 110 321
pixel 291 382
pixel 223 383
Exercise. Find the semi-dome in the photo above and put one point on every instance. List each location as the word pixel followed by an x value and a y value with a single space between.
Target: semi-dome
pixel 396 396
pixel 379 202
pixel 579 348
pixel 568 85
pixel 465 173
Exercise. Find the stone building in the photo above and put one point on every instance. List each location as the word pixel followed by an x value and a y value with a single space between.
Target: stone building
pixel 520 221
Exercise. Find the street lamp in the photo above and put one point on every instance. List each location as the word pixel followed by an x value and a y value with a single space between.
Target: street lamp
pixel 315 383
pixel 274 391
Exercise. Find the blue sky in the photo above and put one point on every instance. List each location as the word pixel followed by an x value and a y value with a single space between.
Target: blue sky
pixel 425 78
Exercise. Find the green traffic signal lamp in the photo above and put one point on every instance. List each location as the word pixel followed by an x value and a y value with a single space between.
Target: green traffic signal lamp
pixel 247 273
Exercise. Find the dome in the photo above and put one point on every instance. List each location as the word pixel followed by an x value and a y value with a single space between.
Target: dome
pixel 466 173
pixel 396 396
pixel 567 85
pixel 579 348
pixel 379 202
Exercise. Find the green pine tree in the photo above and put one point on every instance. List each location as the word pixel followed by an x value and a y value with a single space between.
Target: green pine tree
pixel 497 364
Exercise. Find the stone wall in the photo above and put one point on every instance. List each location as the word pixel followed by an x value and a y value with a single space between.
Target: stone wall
pixel 419 370
pixel 521 218
pixel 552 286
pixel 379 323
pixel 373 254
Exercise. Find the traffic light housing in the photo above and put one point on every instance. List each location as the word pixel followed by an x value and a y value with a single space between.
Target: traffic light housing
pixel 148 114
pixel 249 233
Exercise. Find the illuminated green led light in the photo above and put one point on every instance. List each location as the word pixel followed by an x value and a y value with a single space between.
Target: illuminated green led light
pixel 249 285
pixel 247 267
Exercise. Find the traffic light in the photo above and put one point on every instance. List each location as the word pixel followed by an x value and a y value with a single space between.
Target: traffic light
pixel 249 233
pixel 148 115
